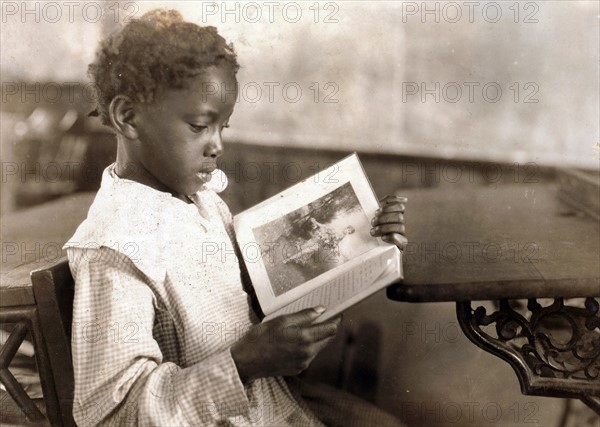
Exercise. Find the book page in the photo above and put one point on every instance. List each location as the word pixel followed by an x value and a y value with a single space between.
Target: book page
pixel 363 280
pixel 313 239
pixel 307 235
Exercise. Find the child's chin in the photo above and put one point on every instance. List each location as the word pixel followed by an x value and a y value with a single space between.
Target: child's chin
pixel 204 177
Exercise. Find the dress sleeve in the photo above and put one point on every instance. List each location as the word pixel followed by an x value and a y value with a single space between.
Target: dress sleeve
pixel 120 375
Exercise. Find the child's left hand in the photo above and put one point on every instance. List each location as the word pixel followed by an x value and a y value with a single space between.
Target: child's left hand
pixel 388 222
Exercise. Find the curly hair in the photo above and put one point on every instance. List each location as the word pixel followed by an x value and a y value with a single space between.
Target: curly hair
pixel 159 51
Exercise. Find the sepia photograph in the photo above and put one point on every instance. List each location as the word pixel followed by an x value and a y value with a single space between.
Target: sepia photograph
pixel 134 134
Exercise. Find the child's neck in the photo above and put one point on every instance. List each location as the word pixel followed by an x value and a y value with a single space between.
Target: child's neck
pixel 129 167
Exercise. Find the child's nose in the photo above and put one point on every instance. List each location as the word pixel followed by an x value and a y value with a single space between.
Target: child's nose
pixel 214 148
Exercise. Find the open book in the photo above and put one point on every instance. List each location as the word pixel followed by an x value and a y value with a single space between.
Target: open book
pixel 310 244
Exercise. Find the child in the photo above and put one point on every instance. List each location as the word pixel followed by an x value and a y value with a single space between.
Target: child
pixel 163 335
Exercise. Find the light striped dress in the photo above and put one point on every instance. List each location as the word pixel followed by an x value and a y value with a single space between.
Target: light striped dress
pixel 158 303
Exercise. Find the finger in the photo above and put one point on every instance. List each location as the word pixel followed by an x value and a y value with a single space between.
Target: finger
pixel 324 330
pixel 337 320
pixel 388 218
pixel 397 239
pixel 393 199
pixel 320 345
pixel 320 331
pixel 380 230
pixel 393 207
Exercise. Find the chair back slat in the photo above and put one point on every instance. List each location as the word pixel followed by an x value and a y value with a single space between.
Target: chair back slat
pixel 53 289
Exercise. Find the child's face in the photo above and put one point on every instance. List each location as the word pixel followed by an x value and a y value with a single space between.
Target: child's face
pixel 180 133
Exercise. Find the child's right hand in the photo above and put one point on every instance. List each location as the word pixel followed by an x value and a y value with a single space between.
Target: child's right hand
pixel 283 346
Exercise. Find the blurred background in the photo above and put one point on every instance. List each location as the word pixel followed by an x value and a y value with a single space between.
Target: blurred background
pixel 495 82
pixel 500 92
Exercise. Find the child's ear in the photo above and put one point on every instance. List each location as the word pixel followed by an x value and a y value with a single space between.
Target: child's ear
pixel 122 116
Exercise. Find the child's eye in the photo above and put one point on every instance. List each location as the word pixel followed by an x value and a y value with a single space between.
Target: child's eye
pixel 225 126
pixel 197 128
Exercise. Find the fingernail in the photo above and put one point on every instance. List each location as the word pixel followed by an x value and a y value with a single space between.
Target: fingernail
pixel 377 211
pixel 372 231
pixel 320 309
pixel 373 221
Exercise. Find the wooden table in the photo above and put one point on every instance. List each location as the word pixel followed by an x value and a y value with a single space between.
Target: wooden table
pixel 34 237
pixel 507 243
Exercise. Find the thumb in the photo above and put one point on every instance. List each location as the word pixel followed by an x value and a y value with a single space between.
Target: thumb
pixel 397 239
pixel 305 316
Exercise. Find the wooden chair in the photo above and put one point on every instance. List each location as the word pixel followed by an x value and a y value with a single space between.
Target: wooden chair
pixel 53 289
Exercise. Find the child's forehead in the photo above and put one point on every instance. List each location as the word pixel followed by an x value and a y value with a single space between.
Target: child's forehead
pixel 207 93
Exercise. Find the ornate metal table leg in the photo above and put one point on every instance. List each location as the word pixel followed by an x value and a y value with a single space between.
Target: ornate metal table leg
pixel 554 350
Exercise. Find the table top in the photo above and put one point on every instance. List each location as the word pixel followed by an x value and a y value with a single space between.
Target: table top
pixel 33 238
pixel 505 241
pixel 471 243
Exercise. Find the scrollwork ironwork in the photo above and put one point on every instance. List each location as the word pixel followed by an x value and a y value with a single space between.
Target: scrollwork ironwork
pixel 555 349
